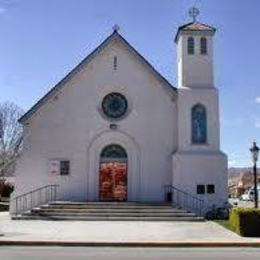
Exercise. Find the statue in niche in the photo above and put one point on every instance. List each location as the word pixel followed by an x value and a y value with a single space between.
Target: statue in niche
pixel 199 124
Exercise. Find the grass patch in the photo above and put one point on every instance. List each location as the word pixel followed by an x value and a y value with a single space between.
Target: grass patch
pixel 223 223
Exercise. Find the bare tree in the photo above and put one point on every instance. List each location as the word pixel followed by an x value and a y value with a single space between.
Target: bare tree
pixel 11 136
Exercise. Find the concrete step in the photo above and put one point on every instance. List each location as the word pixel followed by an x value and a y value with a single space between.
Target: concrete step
pixel 110 218
pixel 110 206
pixel 115 214
pixel 114 211
pixel 119 208
pixel 106 210
pixel 129 203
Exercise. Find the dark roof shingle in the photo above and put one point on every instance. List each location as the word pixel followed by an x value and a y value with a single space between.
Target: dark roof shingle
pixel 195 26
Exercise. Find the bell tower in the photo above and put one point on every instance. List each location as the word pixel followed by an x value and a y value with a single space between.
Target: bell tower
pixel 198 108
pixel 195 53
pixel 199 166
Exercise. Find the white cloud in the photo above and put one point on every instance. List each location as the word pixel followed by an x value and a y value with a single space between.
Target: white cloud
pixel 239 160
pixel 257 123
pixel 232 163
pixel 2 10
pixel 234 122
pixel 257 100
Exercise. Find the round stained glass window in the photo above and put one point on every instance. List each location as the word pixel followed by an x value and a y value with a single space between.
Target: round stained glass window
pixel 114 105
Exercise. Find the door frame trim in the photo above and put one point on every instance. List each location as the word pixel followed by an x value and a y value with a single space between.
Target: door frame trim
pixel 134 158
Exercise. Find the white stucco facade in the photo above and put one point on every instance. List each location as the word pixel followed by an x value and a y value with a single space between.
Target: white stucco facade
pixel 69 124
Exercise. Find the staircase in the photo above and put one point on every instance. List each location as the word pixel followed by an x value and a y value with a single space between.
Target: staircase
pixel 107 211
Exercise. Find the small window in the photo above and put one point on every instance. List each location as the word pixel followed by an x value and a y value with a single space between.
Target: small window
pixel 200 189
pixel 115 63
pixel 191 45
pixel 203 46
pixel 64 167
pixel 210 188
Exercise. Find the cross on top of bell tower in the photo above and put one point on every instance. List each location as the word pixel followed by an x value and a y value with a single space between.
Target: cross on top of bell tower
pixel 194 13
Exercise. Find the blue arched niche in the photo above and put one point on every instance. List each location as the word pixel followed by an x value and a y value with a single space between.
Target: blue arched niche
pixel 199 124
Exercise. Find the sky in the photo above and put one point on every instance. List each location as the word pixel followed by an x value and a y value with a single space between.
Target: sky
pixel 42 40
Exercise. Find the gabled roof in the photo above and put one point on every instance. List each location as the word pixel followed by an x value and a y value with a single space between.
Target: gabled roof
pixel 85 62
pixel 195 26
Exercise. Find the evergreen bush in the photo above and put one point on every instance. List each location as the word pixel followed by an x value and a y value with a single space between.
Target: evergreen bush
pixel 245 221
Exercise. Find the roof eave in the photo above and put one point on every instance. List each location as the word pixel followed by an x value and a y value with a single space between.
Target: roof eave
pixel 65 79
pixel 85 61
pixel 182 29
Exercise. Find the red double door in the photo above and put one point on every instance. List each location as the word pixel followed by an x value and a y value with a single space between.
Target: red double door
pixel 113 181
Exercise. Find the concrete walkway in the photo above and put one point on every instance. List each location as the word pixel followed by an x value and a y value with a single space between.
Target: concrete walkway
pixel 81 231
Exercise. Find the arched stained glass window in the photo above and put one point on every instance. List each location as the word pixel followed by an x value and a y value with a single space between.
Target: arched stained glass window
pixel 199 124
pixel 191 45
pixel 203 46
pixel 114 151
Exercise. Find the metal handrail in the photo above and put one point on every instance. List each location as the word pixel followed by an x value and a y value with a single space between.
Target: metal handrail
pixel 34 198
pixel 183 199
pixel 44 187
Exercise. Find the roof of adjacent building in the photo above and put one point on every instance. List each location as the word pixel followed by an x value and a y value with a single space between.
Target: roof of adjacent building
pixel 196 27
pixel 87 60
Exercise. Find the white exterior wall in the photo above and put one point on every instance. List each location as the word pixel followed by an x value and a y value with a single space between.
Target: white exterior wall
pixel 196 164
pixel 202 168
pixel 187 98
pixel 72 127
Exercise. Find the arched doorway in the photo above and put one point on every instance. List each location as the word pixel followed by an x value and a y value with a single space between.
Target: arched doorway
pixel 113 174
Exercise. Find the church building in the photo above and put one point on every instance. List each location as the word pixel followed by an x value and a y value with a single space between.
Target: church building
pixel 114 129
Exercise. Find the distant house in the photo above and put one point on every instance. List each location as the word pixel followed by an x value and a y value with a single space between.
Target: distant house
pixel 240 180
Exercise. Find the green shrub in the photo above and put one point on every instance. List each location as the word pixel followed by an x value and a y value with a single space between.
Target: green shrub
pixel 245 222
pixel 4 207
pixel 6 188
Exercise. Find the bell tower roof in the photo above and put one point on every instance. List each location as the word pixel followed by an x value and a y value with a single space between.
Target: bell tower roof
pixel 195 27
